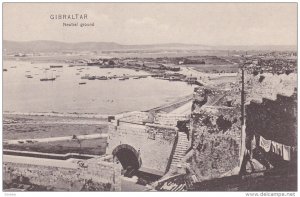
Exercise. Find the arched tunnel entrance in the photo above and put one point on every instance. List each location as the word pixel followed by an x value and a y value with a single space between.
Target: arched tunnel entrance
pixel 131 162
pixel 128 156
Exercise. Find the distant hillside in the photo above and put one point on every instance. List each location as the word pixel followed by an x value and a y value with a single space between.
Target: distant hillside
pixel 54 46
pixel 260 47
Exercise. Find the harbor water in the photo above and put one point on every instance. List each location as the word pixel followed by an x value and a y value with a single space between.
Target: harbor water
pixel 24 92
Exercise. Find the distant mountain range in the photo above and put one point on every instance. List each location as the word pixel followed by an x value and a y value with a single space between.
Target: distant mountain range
pixel 55 46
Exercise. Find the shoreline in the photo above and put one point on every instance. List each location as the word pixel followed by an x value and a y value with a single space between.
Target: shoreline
pixel 173 101
pixel 57 114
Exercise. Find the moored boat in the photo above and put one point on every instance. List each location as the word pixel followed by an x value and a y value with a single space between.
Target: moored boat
pixel 123 78
pixel 47 79
pixel 92 78
pixel 56 66
pixel 102 78
pixel 85 76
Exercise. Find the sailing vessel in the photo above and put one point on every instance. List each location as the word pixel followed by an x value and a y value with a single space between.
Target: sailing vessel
pixel 48 78
pixel 86 76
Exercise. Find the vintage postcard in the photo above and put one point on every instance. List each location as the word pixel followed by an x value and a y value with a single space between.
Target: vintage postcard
pixel 149 97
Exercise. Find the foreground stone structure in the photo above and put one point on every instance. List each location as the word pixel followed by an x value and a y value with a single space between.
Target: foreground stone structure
pixel 100 174
pixel 228 156
pixel 140 140
pixel 136 142
pixel 218 152
pixel 271 114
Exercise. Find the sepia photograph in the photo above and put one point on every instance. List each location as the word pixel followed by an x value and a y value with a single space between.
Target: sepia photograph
pixel 149 97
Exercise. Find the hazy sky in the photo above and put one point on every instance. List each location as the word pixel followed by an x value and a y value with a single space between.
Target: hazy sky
pixel 150 23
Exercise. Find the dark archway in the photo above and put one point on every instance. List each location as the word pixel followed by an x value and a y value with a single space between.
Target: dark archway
pixel 127 156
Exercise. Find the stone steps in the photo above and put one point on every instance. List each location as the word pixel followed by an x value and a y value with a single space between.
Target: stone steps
pixel 214 100
pixel 190 181
pixel 182 145
pixel 181 148
pixel 170 186
pixel 178 188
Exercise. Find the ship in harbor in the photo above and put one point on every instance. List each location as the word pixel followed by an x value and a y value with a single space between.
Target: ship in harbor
pixel 56 66
pixel 123 78
pixel 47 79
pixel 91 77
pixel 102 78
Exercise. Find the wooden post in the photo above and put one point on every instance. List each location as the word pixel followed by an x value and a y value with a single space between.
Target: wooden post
pixel 243 98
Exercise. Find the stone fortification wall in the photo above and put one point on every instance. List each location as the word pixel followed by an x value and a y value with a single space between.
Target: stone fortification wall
pixel 153 142
pixel 216 132
pixel 133 117
pixel 169 119
pixel 268 86
pixel 216 142
pixel 216 120
pixel 103 176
